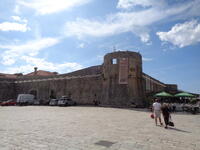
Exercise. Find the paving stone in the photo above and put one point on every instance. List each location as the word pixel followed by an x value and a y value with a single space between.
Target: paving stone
pixel 79 128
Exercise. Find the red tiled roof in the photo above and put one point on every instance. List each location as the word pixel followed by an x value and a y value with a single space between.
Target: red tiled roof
pixel 8 75
pixel 41 73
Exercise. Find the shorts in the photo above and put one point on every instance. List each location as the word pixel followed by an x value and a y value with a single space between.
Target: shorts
pixel 157 113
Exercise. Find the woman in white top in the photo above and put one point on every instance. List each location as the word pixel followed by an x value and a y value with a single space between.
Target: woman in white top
pixel 157 111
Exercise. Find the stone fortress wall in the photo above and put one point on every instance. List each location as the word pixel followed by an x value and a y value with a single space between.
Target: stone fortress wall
pixel 119 81
pixel 82 89
pixel 7 88
pixel 127 67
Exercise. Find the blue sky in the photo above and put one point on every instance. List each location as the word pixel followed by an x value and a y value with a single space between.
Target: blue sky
pixel 66 35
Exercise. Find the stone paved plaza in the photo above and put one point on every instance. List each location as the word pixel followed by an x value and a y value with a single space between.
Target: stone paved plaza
pixel 93 128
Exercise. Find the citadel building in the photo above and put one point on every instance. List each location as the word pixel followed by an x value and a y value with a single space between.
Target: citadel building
pixel 119 81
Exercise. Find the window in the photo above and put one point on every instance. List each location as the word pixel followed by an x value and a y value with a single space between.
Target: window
pixel 114 61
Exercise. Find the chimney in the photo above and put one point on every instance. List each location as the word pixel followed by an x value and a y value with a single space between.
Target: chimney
pixel 35 70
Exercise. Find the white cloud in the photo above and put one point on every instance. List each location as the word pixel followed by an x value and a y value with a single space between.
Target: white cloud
pixel 31 48
pixel 146 59
pixel 182 35
pixel 17 9
pixel 117 24
pixel 13 26
pixel 16 18
pixel 144 37
pixel 82 27
pixel 126 4
pixel 27 55
pixel 19 19
pixel 136 22
pixel 81 45
pixel 42 64
pixel 44 7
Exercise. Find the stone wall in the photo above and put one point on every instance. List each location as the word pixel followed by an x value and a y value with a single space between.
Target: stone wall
pixel 7 89
pixel 101 83
pixel 81 89
pixel 98 82
pixel 172 88
pixel 123 94
pixel 86 71
pixel 152 85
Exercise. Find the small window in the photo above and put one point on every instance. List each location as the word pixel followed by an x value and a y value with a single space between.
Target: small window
pixel 114 61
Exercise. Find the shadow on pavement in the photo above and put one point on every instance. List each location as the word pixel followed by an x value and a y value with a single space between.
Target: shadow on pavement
pixel 105 143
pixel 178 130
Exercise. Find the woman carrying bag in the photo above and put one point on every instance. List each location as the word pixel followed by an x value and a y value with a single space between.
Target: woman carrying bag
pixel 166 115
pixel 170 123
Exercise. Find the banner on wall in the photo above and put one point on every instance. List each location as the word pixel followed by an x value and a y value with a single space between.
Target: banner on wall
pixel 123 71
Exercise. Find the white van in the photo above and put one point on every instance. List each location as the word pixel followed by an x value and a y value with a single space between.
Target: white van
pixel 25 99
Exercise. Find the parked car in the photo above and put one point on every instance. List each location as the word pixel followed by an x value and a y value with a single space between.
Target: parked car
pixel 36 102
pixel 25 99
pixel 53 102
pixel 8 103
pixel 66 101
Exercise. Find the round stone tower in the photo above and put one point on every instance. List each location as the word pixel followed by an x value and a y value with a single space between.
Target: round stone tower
pixel 122 79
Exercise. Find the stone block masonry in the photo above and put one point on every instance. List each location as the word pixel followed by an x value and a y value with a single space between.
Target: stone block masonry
pixel 119 81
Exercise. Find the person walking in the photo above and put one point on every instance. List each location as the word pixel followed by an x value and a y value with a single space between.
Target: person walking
pixel 166 114
pixel 157 111
pixel 174 107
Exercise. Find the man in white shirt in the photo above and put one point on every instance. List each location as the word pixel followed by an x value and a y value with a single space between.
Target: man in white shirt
pixel 157 111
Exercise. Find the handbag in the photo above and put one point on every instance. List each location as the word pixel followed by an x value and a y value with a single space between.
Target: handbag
pixel 171 123
pixel 152 116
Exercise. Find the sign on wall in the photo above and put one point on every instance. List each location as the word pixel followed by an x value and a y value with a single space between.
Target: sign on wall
pixel 131 66
pixel 123 71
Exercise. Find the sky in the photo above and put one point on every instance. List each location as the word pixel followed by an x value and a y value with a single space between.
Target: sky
pixel 67 35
